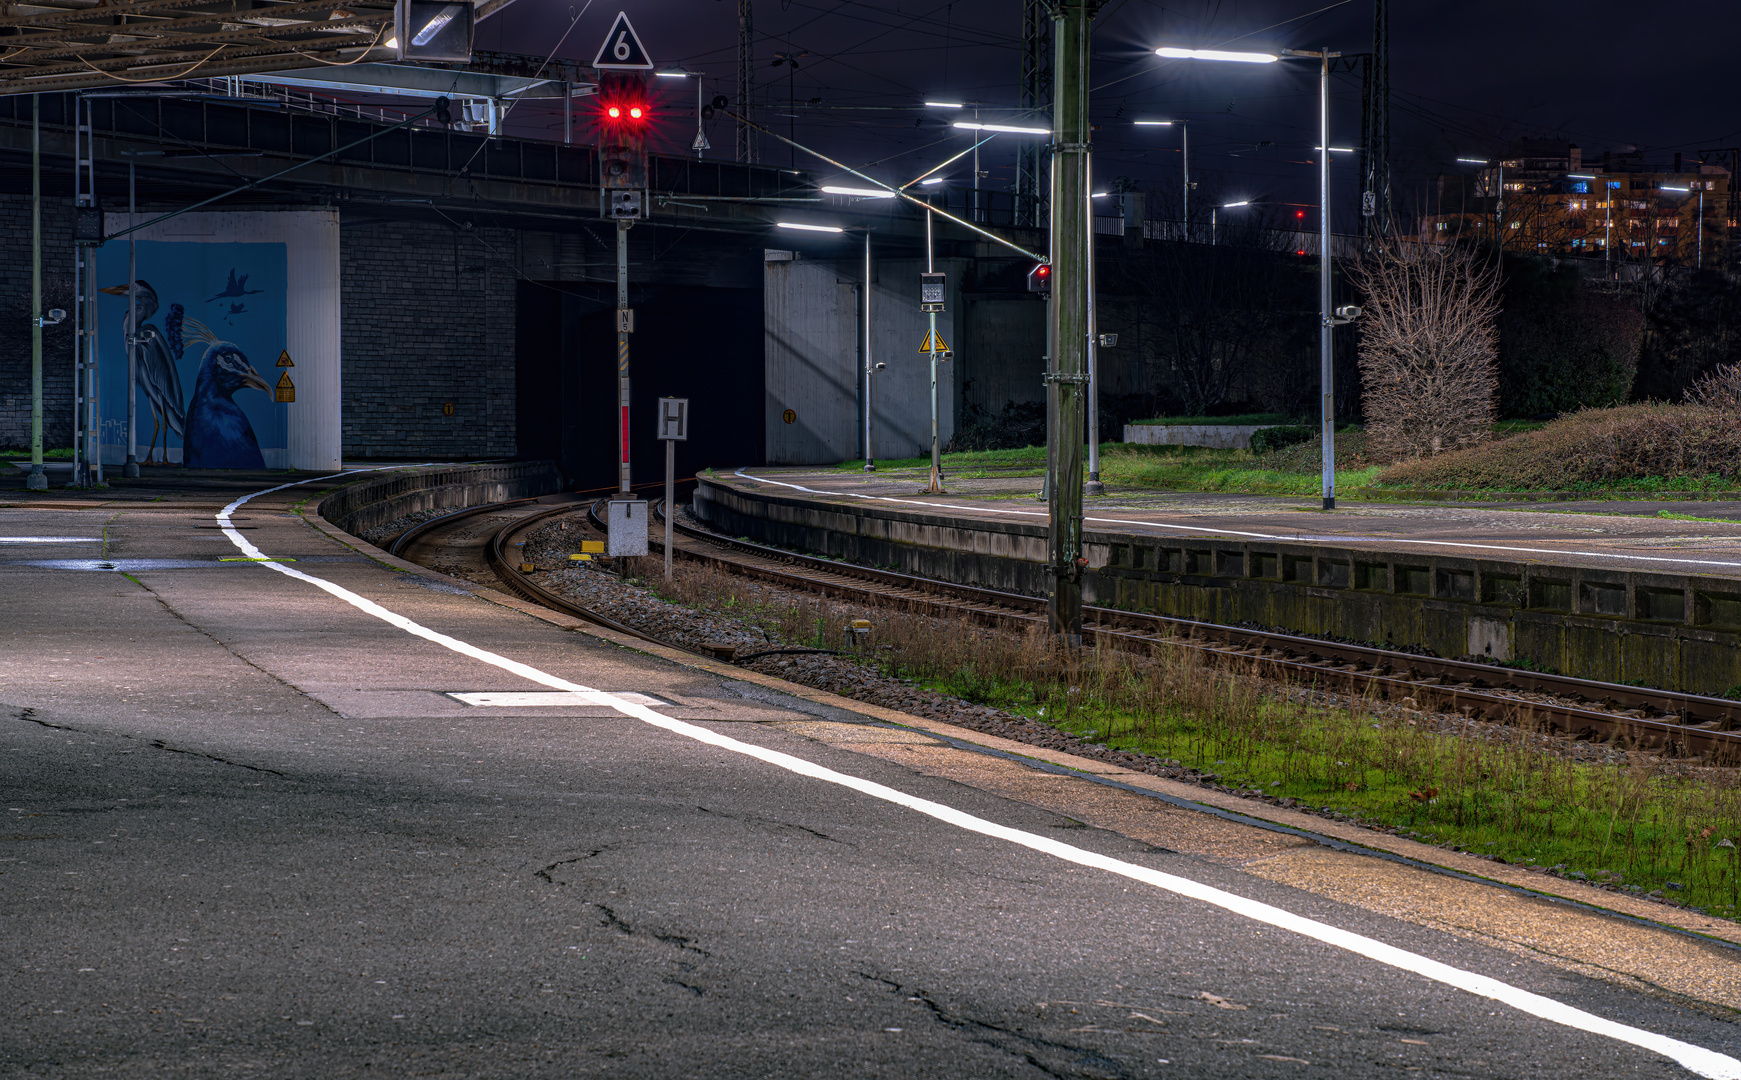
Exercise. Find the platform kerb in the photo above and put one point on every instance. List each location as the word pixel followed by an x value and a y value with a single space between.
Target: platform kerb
pixel 1674 631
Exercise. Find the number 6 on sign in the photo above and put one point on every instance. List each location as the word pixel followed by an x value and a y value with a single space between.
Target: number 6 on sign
pixel 622 49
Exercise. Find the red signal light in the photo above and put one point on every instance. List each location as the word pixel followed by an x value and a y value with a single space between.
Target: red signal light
pixel 636 112
pixel 615 112
pixel 1299 213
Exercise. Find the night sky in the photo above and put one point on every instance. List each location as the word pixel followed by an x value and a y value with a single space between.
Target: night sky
pixel 1467 77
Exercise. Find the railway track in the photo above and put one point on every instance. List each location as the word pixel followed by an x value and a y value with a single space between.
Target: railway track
pixel 1667 720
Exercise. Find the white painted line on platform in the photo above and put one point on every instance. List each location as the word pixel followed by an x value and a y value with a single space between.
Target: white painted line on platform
pixel 543 699
pixel 1295 539
pixel 51 539
pixel 1706 1063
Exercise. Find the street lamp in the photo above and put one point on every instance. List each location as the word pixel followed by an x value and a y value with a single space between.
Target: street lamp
pixel 974 212
pixel 1326 318
pixel 1498 202
pixel 1216 210
pixel 1699 259
pixel 1184 127
pixel 870 369
pixel 700 142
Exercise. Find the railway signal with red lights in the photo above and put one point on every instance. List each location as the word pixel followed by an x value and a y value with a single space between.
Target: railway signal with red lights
pixel 625 118
pixel 1040 279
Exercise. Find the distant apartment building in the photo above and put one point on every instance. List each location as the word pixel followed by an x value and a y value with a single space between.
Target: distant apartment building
pixel 1545 198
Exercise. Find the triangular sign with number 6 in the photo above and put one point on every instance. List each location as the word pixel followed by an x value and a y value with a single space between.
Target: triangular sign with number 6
pixel 622 50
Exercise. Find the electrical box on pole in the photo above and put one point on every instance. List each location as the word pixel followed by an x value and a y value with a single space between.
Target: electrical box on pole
pixel 933 288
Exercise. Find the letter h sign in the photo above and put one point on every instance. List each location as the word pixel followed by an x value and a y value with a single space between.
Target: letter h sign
pixel 674 418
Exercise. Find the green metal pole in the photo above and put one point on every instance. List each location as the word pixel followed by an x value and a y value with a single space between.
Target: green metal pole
pixel 38 480
pixel 1067 374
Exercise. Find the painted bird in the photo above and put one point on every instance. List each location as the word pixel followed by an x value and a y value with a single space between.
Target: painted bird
pixel 236 286
pixel 159 374
pixel 219 435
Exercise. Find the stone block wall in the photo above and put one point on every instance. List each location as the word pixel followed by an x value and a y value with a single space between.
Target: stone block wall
pixel 57 341
pixel 428 321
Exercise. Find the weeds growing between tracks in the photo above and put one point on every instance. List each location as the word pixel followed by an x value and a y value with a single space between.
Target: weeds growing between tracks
pixel 1634 821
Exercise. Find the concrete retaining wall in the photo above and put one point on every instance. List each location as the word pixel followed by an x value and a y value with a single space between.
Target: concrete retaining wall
pixel 1669 630
pixel 372 502
pixel 1220 436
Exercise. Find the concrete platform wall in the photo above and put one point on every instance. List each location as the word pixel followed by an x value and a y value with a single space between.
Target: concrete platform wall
pixel 815 358
pixel 1668 630
pixel 368 503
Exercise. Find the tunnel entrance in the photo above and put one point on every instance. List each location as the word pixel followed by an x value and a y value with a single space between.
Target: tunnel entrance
pixel 699 342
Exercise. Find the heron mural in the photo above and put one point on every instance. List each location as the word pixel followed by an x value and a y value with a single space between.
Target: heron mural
pixel 159 361
pixel 209 407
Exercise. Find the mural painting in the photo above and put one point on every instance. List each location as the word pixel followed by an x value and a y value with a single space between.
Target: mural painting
pixel 203 311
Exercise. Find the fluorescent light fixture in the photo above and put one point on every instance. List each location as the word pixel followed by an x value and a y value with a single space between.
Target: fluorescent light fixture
pixel 861 192
pixel 1006 128
pixel 945 105
pixel 929 180
pixel 433 26
pixel 1473 160
pixel 1337 149
pixel 1099 195
pixel 1152 123
pixel 1231 205
pixel 1665 187
pixel 801 227
pixel 1217 54
pixel 673 74
pixel 1580 176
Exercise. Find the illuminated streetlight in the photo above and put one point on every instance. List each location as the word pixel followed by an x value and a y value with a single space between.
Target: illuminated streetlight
pixel 1007 129
pixel 1216 54
pixel 863 193
pixel 1216 210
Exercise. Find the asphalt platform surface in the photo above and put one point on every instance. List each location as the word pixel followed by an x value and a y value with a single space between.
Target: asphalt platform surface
pixel 1668 535
pixel 249 832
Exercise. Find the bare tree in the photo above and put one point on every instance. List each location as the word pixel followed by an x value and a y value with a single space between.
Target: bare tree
pixel 1429 348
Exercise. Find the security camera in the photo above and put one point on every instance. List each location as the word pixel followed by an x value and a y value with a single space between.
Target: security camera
pixel 53 318
pixel 1109 341
pixel 881 366
pixel 1348 311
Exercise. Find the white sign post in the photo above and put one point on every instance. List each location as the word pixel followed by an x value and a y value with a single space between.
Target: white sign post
pixel 673 427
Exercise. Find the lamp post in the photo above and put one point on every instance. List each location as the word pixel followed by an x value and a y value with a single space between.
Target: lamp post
pixel 1326 320
pixel 1184 127
pixel 700 142
pixel 1699 259
pixel 1214 216
pixel 1498 204
pixel 870 368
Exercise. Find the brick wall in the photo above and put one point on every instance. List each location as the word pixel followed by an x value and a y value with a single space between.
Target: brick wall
pixel 428 319
pixel 57 341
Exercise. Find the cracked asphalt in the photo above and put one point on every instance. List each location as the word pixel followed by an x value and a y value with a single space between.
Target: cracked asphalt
pixel 248 832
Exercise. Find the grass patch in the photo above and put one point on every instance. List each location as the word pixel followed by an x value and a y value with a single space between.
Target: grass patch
pixel 59 453
pixel 1642 823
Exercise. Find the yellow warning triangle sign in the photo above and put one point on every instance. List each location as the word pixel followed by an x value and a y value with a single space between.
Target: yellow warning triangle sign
pixel 284 358
pixel 933 343
pixel 285 391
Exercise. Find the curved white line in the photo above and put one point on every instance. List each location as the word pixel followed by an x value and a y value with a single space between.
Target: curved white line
pixel 1295 539
pixel 1706 1063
